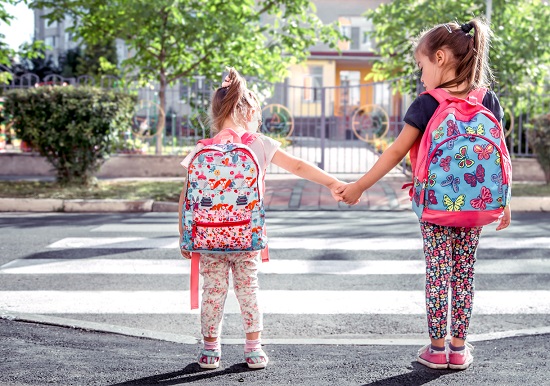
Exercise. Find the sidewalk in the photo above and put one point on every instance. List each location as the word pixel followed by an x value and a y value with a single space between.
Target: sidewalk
pixel 283 193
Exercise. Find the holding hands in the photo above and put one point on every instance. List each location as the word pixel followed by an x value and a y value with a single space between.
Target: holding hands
pixel 348 193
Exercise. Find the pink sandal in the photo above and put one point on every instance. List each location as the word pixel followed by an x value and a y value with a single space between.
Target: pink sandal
pixel 256 359
pixel 209 359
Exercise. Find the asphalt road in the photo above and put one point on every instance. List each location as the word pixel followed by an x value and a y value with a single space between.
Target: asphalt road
pixel 344 302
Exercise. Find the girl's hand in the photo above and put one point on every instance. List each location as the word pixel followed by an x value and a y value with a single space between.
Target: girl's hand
pixel 350 193
pixel 505 220
pixel 185 254
pixel 335 186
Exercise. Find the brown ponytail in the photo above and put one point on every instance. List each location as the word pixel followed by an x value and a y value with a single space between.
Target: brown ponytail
pixel 470 52
pixel 233 101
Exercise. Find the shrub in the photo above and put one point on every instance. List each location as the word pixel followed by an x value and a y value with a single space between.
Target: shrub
pixel 538 134
pixel 74 128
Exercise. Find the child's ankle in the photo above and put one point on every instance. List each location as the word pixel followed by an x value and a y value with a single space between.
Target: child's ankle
pixel 252 345
pixel 212 345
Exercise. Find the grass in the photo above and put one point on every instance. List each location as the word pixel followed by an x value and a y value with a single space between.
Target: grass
pixel 167 191
pixel 530 189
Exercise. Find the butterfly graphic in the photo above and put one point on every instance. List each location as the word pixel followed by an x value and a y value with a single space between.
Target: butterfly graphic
pixel 451 144
pixel 452 128
pixel 454 206
pixel 453 181
pixel 446 163
pixel 436 156
pixel 497 160
pixel 485 197
pixel 495 132
pixel 479 130
pixel 431 179
pixel 416 197
pixel 479 176
pixel 484 151
pixel 497 179
pixel 438 133
pixel 431 197
pixel 462 157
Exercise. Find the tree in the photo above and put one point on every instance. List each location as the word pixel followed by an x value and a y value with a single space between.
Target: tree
pixel 519 56
pixel 95 59
pixel 40 65
pixel 172 40
pixel 7 54
pixel 74 128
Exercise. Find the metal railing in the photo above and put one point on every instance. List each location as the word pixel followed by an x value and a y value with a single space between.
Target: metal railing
pixel 339 128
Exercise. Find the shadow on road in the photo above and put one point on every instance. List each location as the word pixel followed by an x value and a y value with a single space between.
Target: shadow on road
pixel 191 373
pixel 420 375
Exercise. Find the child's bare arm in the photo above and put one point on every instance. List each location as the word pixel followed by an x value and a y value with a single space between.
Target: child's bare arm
pixel 307 170
pixel 387 161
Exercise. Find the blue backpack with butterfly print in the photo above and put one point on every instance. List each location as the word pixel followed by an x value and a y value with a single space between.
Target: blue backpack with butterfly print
pixel 461 166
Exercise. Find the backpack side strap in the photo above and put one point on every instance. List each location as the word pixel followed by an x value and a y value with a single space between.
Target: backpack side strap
pixel 194 282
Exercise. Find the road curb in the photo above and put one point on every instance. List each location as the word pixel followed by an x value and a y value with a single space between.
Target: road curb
pixel 108 206
pixel 530 204
pixel 390 340
pixel 30 205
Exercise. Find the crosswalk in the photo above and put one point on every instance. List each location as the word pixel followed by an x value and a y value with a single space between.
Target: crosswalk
pixel 133 270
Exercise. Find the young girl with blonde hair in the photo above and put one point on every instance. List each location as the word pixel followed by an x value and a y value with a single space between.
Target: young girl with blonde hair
pixel 235 107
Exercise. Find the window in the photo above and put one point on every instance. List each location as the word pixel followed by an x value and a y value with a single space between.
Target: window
pixel 313 81
pixel 51 41
pixel 355 43
pixel 68 39
pixel 382 96
pixel 358 30
pixel 350 97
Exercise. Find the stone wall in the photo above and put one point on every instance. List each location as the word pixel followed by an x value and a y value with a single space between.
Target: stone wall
pixel 135 165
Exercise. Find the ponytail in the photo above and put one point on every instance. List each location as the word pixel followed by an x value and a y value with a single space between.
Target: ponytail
pixel 470 52
pixel 233 100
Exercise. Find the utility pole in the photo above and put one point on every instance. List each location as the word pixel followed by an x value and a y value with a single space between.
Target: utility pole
pixel 489 9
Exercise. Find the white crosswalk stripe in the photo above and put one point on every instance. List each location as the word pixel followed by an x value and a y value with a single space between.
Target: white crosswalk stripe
pixel 276 302
pixel 278 267
pixel 114 256
pixel 365 244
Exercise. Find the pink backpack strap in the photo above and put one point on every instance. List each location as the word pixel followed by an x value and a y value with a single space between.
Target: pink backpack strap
pixel 194 286
pixel 230 135
pixel 438 94
pixel 477 95
pixel 474 96
pixel 247 138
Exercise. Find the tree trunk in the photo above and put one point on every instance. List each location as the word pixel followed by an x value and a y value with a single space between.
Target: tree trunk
pixel 161 113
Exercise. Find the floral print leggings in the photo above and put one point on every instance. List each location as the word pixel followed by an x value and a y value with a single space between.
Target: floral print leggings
pixel 214 269
pixel 450 258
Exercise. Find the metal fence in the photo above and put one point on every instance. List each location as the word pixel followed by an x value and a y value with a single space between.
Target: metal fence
pixel 342 129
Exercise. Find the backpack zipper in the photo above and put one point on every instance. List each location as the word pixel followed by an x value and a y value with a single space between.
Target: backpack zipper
pixel 217 224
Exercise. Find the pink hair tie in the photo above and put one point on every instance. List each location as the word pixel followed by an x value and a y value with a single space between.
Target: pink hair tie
pixel 226 82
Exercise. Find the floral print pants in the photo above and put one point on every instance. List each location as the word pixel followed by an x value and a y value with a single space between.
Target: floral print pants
pixel 214 269
pixel 450 258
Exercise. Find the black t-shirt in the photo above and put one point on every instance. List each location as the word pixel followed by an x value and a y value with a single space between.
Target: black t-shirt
pixel 423 108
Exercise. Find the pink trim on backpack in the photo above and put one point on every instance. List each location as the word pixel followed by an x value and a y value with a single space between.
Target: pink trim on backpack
pixel 224 136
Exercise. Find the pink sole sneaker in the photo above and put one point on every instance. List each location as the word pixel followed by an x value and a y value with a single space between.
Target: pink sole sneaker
pixel 431 358
pixel 461 360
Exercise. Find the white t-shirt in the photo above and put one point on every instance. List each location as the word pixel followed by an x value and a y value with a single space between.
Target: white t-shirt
pixel 263 147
